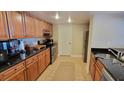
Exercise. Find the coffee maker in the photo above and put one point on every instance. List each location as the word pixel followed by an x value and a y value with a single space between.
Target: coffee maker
pixel 3 53
pixel 13 47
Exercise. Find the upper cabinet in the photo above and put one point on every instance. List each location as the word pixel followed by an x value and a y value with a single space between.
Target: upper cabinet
pixel 47 27
pixel 51 29
pixel 3 27
pixel 16 26
pixel 39 28
pixel 30 26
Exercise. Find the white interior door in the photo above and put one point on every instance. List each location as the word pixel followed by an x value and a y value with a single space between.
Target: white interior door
pixel 65 39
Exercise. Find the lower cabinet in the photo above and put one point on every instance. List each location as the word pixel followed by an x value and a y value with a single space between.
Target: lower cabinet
pixel 19 76
pixel 98 72
pixel 15 73
pixel 95 68
pixel 29 69
pixel 41 63
pixel 92 66
pixel 32 68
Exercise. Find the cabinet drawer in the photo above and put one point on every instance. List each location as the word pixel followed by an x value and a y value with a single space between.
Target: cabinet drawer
pixel 20 66
pixel 18 76
pixel 43 51
pixel 7 73
pixel 35 58
pixel 29 61
pixel 40 54
pixel 32 59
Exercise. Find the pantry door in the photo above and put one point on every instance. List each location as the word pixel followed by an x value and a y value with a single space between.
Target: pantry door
pixel 65 39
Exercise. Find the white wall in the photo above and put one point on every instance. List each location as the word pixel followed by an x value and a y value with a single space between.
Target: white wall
pixel 78 39
pixel 55 33
pixel 108 31
pixel 77 36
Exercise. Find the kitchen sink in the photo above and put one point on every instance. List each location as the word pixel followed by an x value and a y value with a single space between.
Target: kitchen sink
pixel 104 56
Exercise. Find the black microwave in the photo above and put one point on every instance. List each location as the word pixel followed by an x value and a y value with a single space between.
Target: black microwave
pixel 46 34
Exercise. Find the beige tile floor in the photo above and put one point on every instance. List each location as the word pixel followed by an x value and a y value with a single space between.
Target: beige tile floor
pixel 66 68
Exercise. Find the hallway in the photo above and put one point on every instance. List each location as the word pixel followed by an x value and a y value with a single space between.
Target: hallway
pixel 66 69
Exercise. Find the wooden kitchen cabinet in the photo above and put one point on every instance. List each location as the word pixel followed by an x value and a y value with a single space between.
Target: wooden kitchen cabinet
pixel 29 69
pixel 51 29
pixel 45 26
pixel 92 66
pixel 39 28
pixel 95 68
pixel 15 73
pixel 3 27
pixel 16 26
pixel 19 76
pixel 41 63
pixel 98 72
pixel 32 68
pixel 29 26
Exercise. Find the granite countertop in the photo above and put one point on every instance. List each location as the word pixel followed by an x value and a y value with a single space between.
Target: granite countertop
pixel 114 68
pixel 15 60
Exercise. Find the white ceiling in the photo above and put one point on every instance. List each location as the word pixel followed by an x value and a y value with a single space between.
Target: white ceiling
pixel 78 17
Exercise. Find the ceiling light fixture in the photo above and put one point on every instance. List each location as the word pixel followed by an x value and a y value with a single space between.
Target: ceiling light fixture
pixel 69 20
pixel 57 16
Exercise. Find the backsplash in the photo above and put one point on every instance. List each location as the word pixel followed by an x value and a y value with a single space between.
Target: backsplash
pixel 18 44
pixel 31 41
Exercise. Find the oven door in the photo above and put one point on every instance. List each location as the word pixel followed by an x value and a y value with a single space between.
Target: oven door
pixel 106 76
pixel 53 52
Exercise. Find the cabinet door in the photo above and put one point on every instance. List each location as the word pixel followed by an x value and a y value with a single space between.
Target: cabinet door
pixel 51 29
pixel 41 63
pixel 3 27
pixel 18 76
pixel 36 27
pixel 92 69
pixel 98 74
pixel 16 72
pixel 39 27
pixel 21 76
pixel 32 71
pixel 16 26
pixel 92 66
pixel 30 26
pixel 44 26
